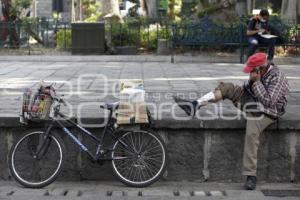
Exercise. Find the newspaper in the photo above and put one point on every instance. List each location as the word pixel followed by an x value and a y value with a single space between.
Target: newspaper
pixel 132 108
pixel 268 36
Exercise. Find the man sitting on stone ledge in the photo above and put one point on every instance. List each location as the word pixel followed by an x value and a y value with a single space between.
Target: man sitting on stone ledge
pixel 266 90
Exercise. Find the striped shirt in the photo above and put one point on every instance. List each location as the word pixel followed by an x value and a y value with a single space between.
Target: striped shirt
pixel 272 91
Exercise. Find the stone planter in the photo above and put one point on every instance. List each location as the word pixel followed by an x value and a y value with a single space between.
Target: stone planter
pixel 126 50
pixel 163 47
pixel 88 38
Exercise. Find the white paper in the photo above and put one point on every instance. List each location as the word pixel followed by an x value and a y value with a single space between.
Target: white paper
pixel 268 36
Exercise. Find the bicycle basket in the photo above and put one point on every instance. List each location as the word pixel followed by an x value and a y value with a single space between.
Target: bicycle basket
pixel 36 105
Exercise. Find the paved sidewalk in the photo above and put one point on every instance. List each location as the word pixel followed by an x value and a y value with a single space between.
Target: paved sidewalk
pixel 83 85
pixel 188 57
pixel 161 190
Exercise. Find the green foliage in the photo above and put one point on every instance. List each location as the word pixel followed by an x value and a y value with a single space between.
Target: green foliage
pixel 91 10
pixel 23 3
pixel 209 9
pixel 137 34
pixel 163 4
pixel 29 23
pixel 175 10
pixel 150 35
pixel 263 5
pixel 17 6
pixel 124 34
pixel 64 38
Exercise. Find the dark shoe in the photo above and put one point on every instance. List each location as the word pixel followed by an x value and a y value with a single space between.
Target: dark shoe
pixel 189 107
pixel 250 183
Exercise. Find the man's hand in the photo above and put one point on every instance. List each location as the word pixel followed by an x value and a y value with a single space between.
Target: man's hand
pixel 255 76
pixel 261 31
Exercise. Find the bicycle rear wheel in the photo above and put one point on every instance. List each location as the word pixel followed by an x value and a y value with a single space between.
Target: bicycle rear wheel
pixel 139 158
pixel 32 169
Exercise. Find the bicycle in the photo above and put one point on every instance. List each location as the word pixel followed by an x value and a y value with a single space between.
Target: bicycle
pixel 138 158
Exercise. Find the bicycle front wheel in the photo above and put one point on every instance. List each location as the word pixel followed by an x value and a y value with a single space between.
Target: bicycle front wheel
pixel 32 168
pixel 139 158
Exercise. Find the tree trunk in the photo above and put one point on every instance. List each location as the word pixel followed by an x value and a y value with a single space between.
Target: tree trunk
pixel 110 7
pixel 143 8
pixel 241 7
pixel 151 6
pixel 73 11
pixel 219 10
pixel 289 9
pixel 110 10
pixel 250 6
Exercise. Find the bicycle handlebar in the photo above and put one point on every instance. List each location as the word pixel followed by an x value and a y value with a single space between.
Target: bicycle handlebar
pixel 60 100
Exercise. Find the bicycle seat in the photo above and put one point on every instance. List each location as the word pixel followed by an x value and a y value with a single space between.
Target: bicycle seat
pixel 110 106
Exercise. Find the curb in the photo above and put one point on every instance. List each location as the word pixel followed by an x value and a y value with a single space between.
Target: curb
pixel 141 58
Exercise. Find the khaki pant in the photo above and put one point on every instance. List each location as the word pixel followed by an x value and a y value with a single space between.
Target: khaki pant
pixel 255 126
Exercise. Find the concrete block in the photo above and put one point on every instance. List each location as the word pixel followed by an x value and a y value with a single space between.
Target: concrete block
pixel 225 157
pixel 199 193
pixel 183 193
pixel 279 162
pixel 164 193
pixel 216 193
pixel 185 153
pixel 72 169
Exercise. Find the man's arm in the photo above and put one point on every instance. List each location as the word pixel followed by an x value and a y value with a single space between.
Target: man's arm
pixel 251 27
pixel 268 95
pixel 252 32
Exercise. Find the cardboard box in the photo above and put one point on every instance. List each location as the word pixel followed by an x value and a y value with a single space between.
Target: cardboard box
pixel 132 113
pixel 132 108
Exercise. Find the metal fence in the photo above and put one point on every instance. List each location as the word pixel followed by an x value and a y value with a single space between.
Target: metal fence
pixel 28 34
pixel 51 33
pixel 144 35
pixel 56 34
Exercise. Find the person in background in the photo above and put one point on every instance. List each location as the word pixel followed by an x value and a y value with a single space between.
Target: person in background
pixel 257 26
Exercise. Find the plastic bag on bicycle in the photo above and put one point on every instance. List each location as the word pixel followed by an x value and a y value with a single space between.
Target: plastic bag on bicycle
pixel 36 105
pixel 132 108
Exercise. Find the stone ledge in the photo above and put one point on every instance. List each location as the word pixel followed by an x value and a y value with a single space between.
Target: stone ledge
pixel 282 124
pixel 197 150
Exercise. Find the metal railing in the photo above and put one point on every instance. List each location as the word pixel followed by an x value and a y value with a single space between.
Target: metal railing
pixel 56 34
pixel 34 32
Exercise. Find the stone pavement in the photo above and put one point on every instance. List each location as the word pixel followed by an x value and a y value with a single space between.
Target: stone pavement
pixel 160 191
pixel 83 84
pixel 188 57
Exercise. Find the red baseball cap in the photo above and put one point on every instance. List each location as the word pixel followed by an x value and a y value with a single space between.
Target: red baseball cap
pixel 255 60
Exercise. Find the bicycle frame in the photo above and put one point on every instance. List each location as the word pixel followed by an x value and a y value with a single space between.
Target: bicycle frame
pixel 100 151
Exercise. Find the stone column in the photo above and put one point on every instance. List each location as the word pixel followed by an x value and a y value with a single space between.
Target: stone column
pixel 241 7
pixel 152 8
pixel 250 6
pixel 289 9
pixel 44 8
